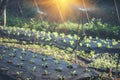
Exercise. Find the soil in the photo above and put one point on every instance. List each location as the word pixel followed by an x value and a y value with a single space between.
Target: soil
pixel 5 77
pixel 33 66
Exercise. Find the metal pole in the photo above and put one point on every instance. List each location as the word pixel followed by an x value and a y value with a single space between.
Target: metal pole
pixel 118 60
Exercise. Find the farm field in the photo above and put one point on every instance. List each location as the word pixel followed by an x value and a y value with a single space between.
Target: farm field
pixel 73 40
pixel 93 53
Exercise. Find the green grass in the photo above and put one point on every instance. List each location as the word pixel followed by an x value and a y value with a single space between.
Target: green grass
pixel 106 61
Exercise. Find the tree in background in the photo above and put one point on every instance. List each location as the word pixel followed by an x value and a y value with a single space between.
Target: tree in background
pixel 3 6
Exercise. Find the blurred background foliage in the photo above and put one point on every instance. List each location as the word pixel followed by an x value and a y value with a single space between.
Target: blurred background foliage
pixel 103 20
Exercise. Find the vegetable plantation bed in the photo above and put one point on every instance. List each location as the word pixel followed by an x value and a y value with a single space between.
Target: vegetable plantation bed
pixel 61 40
pixel 25 65
pixel 66 42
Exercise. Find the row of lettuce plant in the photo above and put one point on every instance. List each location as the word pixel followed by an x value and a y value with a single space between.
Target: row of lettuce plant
pixel 54 38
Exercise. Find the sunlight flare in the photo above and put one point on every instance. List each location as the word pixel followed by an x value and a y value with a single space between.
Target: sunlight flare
pixel 59 8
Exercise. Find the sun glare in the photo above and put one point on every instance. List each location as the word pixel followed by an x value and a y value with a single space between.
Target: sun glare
pixel 59 8
pixel 64 7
